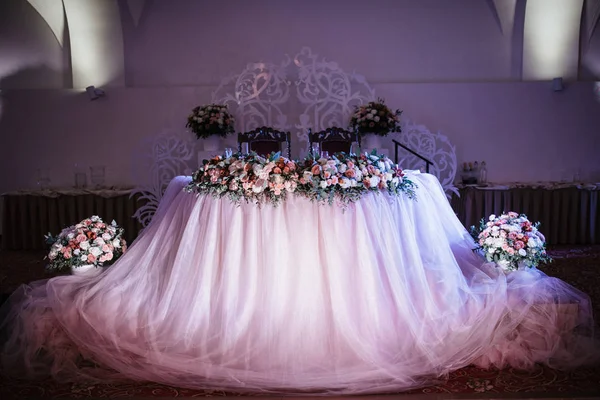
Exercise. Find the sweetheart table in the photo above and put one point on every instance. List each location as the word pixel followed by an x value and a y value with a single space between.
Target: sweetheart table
pixel 384 295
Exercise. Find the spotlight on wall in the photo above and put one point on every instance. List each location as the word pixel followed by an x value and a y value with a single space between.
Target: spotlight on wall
pixel 557 84
pixel 94 93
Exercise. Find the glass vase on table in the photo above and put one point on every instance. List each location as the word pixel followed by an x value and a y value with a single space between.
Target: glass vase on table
pixel 97 175
pixel 43 178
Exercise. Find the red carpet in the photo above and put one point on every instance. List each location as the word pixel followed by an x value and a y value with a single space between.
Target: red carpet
pixel 580 266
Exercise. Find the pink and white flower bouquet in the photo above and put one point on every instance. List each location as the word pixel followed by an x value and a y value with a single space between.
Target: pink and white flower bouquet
pixel 375 118
pixel 249 177
pixel 90 242
pixel 511 241
pixel 211 119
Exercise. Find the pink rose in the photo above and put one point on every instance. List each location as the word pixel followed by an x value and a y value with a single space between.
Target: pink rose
pixel 316 169
pixel 91 258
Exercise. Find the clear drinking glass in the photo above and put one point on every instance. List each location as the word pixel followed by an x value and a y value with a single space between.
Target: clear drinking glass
pixel 97 174
pixel 316 149
pixel 325 154
pixel 80 177
pixel 43 178
pixel 228 152
pixel 245 150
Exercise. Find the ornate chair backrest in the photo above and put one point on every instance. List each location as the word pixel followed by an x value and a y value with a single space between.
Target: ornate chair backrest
pixel 265 140
pixel 334 140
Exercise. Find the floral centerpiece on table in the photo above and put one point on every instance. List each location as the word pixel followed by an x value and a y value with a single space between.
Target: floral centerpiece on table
pixel 345 178
pixel 510 240
pixel 341 178
pixel 375 118
pixel 249 177
pixel 90 242
pixel 211 120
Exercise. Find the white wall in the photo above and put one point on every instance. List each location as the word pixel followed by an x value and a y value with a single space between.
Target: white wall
pixel 447 64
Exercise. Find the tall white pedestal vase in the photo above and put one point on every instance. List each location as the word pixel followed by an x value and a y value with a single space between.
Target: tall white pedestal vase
pixel 371 141
pixel 212 144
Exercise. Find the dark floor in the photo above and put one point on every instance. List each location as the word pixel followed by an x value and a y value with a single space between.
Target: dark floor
pixel 577 265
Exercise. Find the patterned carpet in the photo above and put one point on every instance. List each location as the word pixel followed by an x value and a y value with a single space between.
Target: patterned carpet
pixel 577 265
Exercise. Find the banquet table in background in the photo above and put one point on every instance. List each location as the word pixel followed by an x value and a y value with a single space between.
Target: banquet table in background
pixel 29 215
pixel 568 213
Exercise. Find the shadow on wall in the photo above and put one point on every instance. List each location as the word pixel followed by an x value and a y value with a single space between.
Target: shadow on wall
pixel 18 110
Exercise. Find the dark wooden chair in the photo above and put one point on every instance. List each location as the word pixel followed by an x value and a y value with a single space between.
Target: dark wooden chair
pixel 265 140
pixel 334 140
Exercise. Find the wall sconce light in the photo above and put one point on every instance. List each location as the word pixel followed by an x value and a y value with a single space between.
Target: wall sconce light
pixel 557 84
pixel 94 93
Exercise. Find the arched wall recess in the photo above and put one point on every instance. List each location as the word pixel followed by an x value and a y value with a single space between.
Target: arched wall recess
pixel 53 12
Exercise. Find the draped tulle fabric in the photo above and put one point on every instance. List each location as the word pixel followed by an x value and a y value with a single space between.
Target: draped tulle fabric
pixel 384 296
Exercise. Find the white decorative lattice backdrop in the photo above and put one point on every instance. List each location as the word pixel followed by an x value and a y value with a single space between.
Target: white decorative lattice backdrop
pixel 300 93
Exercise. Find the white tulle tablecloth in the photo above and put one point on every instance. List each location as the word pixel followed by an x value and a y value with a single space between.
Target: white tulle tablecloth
pixel 386 295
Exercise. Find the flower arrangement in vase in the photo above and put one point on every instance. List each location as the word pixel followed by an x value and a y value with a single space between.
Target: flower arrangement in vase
pixel 86 247
pixel 375 119
pixel 511 241
pixel 211 121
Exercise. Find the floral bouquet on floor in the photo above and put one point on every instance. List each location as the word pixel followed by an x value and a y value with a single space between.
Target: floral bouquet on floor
pixel 511 241
pixel 376 118
pixel 211 120
pixel 345 178
pixel 89 243
pixel 249 177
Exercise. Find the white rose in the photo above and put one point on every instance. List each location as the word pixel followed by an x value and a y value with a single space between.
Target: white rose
pixel 84 245
pixel 374 181
pixel 83 257
pixel 76 252
pixel 492 217
pixel 116 243
pixel 95 251
pixel 522 252
pixel 376 118
pixel 323 184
